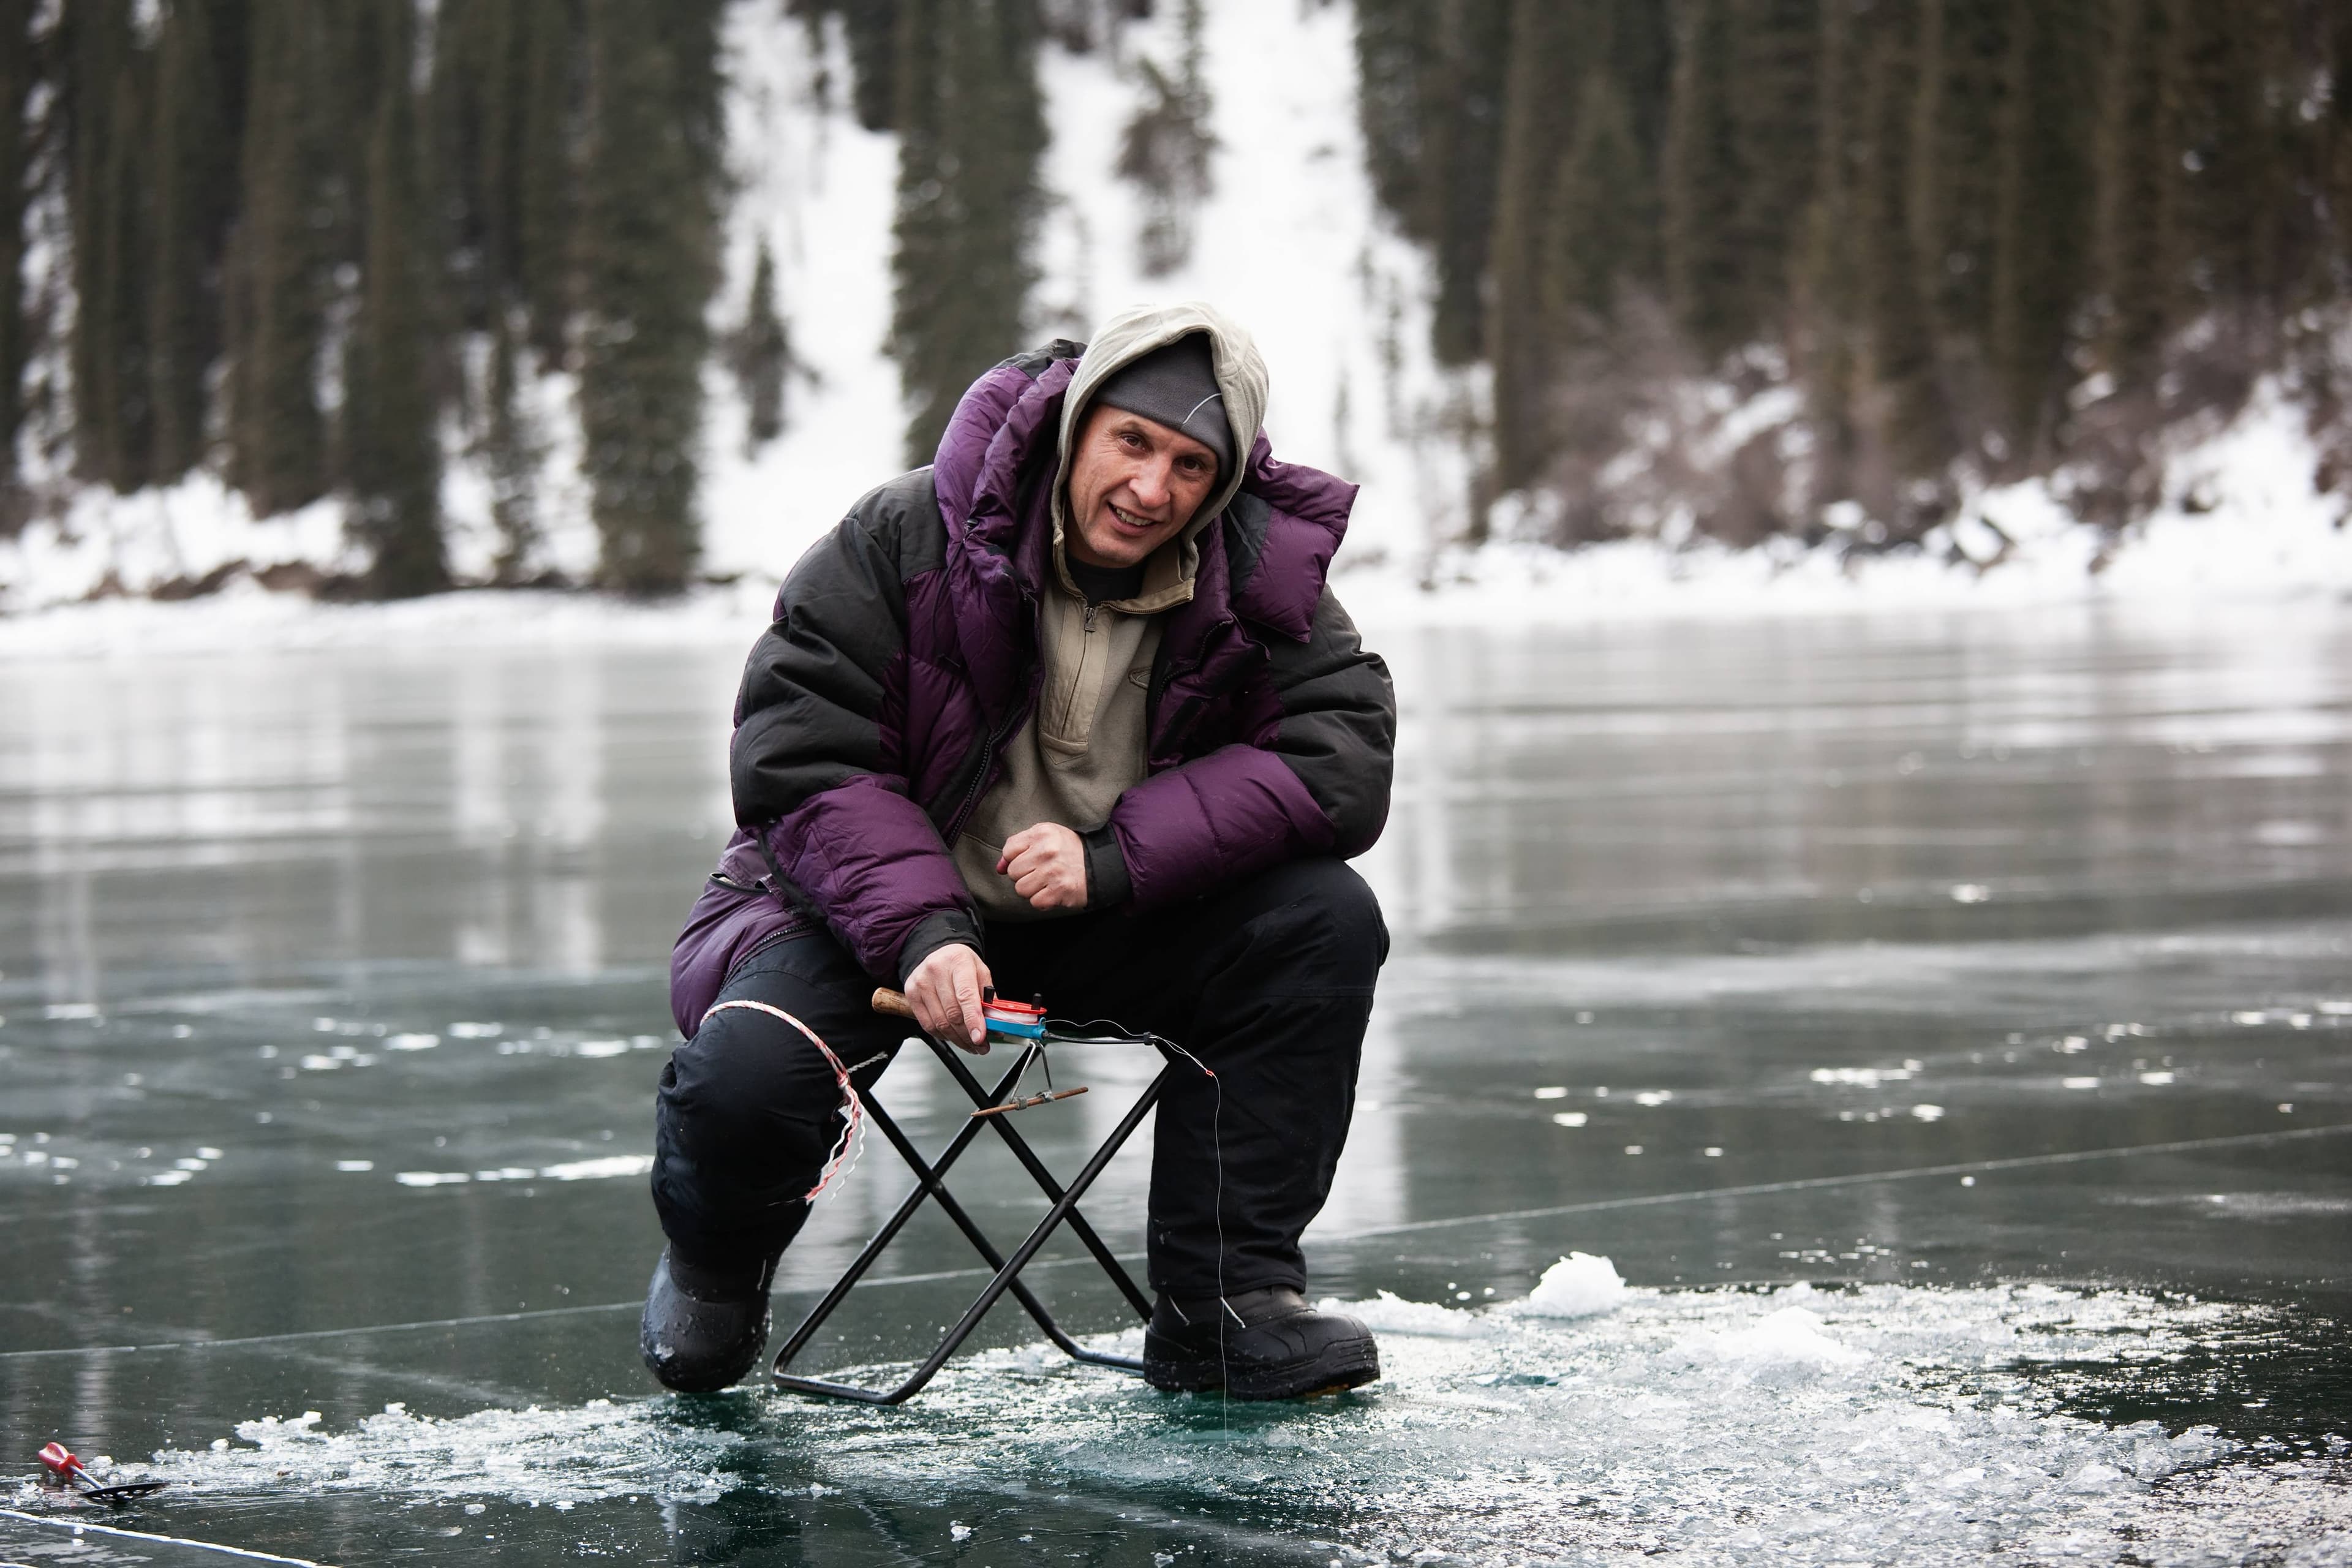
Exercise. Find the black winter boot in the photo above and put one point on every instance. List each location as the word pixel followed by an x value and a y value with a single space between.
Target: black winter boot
pixel 703 1328
pixel 1260 1344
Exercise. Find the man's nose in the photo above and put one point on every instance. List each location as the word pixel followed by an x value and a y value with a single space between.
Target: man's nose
pixel 1151 482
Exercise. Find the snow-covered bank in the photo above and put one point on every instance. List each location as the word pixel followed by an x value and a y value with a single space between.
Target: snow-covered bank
pixel 2265 542
pixel 2243 523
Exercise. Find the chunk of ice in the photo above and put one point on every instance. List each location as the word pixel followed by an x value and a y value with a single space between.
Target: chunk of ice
pixel 1578 1286
pixel 1388 1313
pixel 1789 1338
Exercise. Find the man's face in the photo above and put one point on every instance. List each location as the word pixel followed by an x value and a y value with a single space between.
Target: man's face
pixel 1134 484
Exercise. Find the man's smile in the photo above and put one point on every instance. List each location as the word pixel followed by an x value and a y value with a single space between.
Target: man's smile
pixel 1130 519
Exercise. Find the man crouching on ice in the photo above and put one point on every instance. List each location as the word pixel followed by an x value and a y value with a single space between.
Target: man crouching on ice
pixel 1070 712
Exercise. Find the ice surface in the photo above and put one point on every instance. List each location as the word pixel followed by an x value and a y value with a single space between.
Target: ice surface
pixel 1623 858
pixel 1880 1425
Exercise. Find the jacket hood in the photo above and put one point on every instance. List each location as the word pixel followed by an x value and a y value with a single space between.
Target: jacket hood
pixel 1137 332
pixel 1282 520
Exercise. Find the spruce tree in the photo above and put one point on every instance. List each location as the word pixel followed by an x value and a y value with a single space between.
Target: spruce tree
pixel 1548 37
pixel 2041 196
pixel 1901 370
pixel 1430 104
pixel 545 194
pixel 1463 135
pixel 477 90
pixel 1604 222
pixel 874 27
pixel 2335 132
pixel 2138 156
pixel 390 450
pixel 502 102
pixel 194 172
pixel 2239 121
pixel 110 90
pixel 511 452
pixel 1956 158
pixel 19 54
pixel 971 128
pixel 1826 331
pixel 277 429
pixel 763 351
pixel 1395 39
pixel 1777 96
pixel 1166 148
pixel 1703 182
pixel 646 264
pixel 1739 164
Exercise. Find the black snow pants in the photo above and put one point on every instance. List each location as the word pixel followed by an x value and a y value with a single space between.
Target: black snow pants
pixel 1269 982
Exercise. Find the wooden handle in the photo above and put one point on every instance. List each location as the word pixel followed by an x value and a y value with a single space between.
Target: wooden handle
pixel 891 1002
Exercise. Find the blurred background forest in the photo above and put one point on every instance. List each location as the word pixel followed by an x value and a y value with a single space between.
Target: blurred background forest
pixel 1811 271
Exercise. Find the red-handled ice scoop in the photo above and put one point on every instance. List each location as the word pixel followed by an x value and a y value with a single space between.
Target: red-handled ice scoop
pixel 70 1471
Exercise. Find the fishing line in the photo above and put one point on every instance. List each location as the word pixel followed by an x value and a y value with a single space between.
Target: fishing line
pixel 1217 1148
pixel 843 1157
pixel 1856 1178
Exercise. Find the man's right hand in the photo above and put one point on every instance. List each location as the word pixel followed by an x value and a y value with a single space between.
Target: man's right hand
pixel 944 990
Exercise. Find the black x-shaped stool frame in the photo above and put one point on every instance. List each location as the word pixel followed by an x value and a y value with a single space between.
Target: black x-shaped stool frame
pixel 929 1182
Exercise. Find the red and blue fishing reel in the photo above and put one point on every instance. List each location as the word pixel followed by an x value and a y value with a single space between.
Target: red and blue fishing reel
pixel 1016 1022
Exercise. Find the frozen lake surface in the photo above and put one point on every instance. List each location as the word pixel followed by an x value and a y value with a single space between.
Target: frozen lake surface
pixel 1941 1024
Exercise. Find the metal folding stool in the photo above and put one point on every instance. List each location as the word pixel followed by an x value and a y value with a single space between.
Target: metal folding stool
pixel 929 1183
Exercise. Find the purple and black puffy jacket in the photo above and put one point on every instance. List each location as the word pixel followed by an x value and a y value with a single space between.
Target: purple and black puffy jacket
pixel 903 655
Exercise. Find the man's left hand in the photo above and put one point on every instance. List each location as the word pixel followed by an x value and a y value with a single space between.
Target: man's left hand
pixel 1048 864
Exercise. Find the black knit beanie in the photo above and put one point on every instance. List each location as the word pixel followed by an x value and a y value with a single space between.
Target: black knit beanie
pixel 1176 385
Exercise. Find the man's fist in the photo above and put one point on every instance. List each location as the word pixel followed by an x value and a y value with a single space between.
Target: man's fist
pixel 1048 864
pixel 945 991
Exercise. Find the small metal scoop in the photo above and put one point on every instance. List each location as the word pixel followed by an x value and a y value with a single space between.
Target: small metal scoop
pixel 1024 1104
pixel 70 1471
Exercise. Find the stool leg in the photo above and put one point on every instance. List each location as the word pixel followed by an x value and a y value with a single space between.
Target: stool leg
pixel 927 1185
pixel 1007 1274
pixel 1045 1179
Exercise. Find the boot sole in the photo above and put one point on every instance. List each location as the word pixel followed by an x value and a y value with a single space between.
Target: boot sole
pixel 1351 1367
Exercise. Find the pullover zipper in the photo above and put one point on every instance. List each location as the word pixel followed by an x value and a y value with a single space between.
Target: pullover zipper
pixel 1070 723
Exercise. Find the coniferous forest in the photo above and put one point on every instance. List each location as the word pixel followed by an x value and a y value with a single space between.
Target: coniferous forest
pixel 2003 237
pixel 308 245
pixel 318 245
